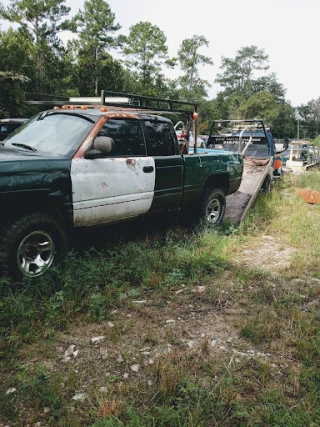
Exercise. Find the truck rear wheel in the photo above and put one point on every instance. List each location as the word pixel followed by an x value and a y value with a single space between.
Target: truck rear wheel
pixel 31 244
pixel 266 186
pixel 212 206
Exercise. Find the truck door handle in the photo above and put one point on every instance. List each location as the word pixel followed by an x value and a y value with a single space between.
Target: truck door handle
pixel 148 169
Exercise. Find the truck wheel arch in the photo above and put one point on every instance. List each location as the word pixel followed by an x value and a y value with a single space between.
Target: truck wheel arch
pixel 20 203
pixel 220 182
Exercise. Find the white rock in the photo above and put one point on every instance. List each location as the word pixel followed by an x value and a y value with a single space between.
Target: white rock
pixel 135 368
pixel 229 340
pixel 11 390
pixel 95 340
pixel 103 353
pixel 120 359
pixel 80 396
pixel 240 353
pixel 111 325
pixel 213 342
pixel 180 290
pixel 69 352
pixel 170 321
pixel 75 353
pixel 140 302
pixel 104 389
pixel 144 349
pixel 149 382
pixel 146 353
pixel 190 344
pixel 200 289
pixel 237 360
pixel 151 361
pixel 125 375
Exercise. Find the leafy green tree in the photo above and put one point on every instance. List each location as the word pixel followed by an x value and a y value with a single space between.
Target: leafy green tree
pixel 37 17
pixel 16 71
pixel 146 49
pixel 310 117
pixel 238 72
pixel 39 22
pixel 190 60
pixel 96 26
pixel 267 83
pixel 261 105
pixel 80 62
pixel 284 125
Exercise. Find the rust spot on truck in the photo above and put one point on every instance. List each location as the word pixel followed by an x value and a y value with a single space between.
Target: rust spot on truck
pixel 104 184
pixel 131 162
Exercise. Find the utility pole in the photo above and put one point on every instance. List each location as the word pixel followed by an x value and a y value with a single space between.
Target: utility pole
pixel 297 116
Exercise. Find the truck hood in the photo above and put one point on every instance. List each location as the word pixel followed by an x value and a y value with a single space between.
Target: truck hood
pixel 20 162
pixel 10 154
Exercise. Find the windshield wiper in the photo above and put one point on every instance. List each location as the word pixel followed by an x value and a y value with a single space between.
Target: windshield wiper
pixel 27 147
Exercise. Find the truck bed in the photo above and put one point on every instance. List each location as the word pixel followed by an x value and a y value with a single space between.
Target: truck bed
pixel 254 173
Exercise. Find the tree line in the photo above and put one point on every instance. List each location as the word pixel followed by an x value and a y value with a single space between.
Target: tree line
pixel 34 59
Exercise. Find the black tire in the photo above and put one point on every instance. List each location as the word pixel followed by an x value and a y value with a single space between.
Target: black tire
pixel 29 245
pixel 266 186
pixel 212 207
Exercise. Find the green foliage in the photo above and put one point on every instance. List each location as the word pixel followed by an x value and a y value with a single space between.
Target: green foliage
pixel 95 26
pixel 38 23
pixel 35 60
pixel 260 105
pixel 16 71
pixel 38 18
pixel 146 49
pixel 310 118
pixel 238 72
pixel 190 59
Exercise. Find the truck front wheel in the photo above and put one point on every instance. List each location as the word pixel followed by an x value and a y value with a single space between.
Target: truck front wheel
pixel 212 206
pixel 31 244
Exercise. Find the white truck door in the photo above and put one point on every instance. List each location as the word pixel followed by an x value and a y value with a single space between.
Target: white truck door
pixel 118 186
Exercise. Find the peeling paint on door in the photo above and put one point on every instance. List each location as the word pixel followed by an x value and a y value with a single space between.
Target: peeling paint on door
pixel 120 194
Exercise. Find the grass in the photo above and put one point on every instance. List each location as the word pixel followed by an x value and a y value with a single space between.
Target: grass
pixel 274 312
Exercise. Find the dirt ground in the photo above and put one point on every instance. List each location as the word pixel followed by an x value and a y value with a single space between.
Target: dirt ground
pixel 127 347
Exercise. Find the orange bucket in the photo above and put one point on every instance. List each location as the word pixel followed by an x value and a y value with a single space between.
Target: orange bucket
pixel 277 163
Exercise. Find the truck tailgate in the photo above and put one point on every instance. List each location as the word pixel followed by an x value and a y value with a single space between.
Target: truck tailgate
pixel 254 173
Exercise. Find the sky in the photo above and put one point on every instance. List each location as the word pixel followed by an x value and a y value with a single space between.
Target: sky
pixel 288 31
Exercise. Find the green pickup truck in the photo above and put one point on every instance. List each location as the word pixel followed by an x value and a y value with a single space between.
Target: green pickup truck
pixel 80 167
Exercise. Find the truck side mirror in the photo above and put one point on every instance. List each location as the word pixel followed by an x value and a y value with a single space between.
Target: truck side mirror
pixel 102 146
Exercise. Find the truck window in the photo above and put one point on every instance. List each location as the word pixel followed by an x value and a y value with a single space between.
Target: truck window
pixel 127 135
pixel 161 139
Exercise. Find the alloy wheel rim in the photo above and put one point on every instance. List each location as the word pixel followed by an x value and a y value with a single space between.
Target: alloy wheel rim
pixel 214 211
pixel 35 253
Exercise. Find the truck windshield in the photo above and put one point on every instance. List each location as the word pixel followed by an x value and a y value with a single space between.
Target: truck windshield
pixel 56 134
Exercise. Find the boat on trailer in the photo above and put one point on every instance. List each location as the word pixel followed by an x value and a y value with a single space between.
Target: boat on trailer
pixel 303 156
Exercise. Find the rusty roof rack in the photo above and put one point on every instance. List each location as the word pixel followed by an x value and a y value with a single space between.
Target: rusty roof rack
pixel 107 98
